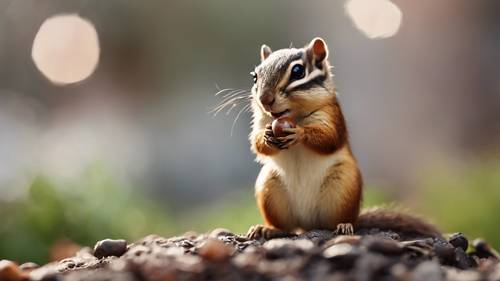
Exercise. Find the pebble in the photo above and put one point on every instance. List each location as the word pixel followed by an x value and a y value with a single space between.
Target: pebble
pixel 458 240
pixel 315 256
pixel 484 250
pixel 444 250
pixel 348 239
pixel 110 247
pixel 427 271
pixel 461 259
pixel 28 266
pixel 9 271
pixel 220 232
pixel 317 235
pixel 138 251
pixel 372 266
pixel 463 275
pixel 495 273
pixel 383 246
pixel 45 273
pixel 342 255
pixel 215 250
pixel 336 250
pixel 282 247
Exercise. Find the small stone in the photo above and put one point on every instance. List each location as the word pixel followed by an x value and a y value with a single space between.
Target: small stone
pixel 110 247
pixel 51 277
pixel 372 266
pixel 185 244
pixel 458 240
pixel 383 246
pixel 220 232
pixel 342 255
pixel 45 273
pixel 495 273
pixel 463 275
pixel 336 250
pixel 174 251
pixel 138 250
pixel 215 250
pixel 461 259
pixel 484 250
pixel 9 271
pixel 283 247
pixel 444 250
pixel 317 235
pixel 399 271
pixel 347 239
pixel 28 266
pixel 427 271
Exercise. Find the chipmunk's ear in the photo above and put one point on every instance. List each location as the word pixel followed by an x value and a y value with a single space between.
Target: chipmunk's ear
pixel 318 50
pixel 265 51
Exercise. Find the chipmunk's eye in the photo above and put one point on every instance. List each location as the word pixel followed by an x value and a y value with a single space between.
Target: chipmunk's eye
pixel 298 72
pixel 254 76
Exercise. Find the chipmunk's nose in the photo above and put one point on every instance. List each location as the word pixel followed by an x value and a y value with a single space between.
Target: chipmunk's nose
pixel 267 100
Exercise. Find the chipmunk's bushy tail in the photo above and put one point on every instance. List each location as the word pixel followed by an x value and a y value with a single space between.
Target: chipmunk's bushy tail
pixel 396 220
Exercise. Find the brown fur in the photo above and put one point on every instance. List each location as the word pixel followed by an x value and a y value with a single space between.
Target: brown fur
pixel 396 220
pixel 338 200
pixel 260 146
pixel 273 203
pixel 344 180
pixel 321 128
pixel 328 132
pixel 318 114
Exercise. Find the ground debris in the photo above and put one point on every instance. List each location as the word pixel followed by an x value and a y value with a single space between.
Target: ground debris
pixel 314 255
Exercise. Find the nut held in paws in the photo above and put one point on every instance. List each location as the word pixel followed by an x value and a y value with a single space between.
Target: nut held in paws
pixel 282 123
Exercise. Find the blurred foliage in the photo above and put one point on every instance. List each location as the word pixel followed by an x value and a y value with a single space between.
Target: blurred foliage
pixel 100 207
pixel 236 212
pixel 465 201
pixel 96 207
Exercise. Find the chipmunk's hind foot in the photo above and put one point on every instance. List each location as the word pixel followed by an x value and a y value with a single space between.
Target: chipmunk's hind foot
pixel 344 229
pixel 262 232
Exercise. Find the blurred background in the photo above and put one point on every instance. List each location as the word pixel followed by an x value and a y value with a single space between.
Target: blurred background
pixel 105 129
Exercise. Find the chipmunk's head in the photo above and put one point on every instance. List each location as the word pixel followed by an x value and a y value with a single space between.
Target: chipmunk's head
pixel 293 81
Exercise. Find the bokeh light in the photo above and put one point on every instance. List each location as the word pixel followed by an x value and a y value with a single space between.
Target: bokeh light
pixel 66 49
pixel 375 18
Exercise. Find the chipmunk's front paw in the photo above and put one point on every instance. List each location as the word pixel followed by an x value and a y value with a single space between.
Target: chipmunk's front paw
pixel 344 229
pixel 270 139
pixel 259 232
pixel 295 135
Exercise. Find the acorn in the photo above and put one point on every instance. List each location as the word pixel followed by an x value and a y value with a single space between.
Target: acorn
pixel 280 124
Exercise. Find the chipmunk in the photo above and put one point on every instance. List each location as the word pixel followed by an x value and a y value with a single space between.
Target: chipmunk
pixel 310 178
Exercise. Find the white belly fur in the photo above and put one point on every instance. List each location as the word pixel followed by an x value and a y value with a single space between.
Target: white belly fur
pixel 302 172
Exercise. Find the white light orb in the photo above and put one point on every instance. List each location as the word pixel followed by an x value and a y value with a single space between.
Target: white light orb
pixel 375 18
pixel 66 49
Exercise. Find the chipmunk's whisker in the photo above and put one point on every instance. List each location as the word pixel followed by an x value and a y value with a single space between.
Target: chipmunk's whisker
pixel 232 99
pixel 238 102
pixel 231 95
pixel 231 108
pixel 224 90
pixel 243 109
pixel 225 103
pixel 235 93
